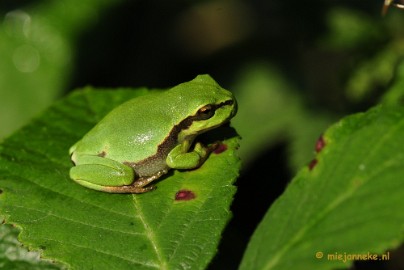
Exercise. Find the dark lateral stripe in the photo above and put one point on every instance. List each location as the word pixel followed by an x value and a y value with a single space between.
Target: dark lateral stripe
pixel 165 147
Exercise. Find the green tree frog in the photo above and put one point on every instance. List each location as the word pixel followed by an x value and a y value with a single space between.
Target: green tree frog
pixel 140 140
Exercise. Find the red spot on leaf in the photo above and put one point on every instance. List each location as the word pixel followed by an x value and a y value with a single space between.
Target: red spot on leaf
pixel 220 148
pixel 312 164
pixel 184 195
pixel 320 144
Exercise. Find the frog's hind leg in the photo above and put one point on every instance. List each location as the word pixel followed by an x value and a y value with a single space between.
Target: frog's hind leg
pixel 96 172
pixel 138 186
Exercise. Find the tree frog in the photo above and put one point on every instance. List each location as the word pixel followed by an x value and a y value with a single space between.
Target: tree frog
pixel 145 137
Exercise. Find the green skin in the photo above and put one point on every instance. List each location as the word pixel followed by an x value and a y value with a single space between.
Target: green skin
pixel 142 139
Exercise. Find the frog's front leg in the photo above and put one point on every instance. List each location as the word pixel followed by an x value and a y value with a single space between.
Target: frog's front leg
pixel 107 175
pixel 179 158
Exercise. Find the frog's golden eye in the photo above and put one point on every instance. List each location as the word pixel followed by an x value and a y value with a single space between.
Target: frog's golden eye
pixel 206 112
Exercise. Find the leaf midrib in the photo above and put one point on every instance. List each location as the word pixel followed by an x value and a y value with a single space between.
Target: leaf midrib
pixel 149 233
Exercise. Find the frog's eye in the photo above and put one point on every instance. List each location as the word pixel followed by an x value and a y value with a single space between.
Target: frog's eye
pixel 205 112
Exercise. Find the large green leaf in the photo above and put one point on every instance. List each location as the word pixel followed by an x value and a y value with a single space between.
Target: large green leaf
pixel 348 203
pixel 87 229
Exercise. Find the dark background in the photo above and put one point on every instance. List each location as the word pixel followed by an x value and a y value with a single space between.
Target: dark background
pixel 163 43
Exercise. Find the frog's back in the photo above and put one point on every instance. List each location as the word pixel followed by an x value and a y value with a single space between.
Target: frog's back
pixel 132 131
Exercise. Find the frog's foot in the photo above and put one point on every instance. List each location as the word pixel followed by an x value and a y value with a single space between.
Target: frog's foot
pixel 205 151
pixel 128 189
pixel 138 186
pixel 212 147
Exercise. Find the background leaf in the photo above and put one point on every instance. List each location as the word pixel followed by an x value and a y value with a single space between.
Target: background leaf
pixel 271 111
pixel 37 48
pixel 87 229
pixel 351 201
